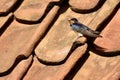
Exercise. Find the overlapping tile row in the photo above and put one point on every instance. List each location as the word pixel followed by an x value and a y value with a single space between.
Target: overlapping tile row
pixel 18 40
pixel 52 72
pixel 36 42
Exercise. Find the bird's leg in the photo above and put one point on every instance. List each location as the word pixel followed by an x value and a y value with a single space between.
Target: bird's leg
pixel 78 36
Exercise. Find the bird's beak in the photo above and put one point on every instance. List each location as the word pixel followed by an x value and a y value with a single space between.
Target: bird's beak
pixel 69 19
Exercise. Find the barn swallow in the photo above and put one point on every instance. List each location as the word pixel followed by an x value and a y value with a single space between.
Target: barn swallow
pixel 82 29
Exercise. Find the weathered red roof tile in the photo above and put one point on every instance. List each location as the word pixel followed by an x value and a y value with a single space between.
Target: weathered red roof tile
pixel 78 5
pixel 19 70
pixel 54 72
pixel 15 41
pixel 20 39
pixel 57 43
pixel 33 11
pixel 99 67
pixel 6 6
pixel 111 35
pixel 103 13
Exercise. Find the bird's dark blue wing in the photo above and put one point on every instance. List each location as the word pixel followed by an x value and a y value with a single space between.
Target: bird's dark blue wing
pixel 78 27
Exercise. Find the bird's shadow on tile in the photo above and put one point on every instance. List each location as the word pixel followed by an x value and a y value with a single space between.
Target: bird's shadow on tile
pixel 100 51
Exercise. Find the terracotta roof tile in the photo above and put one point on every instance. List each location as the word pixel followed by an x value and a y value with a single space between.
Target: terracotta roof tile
pixel 16 40
pixel 54 72
pixel 99 68
pixel 110 42
pixel 6 6
pixel 36 42
pixel 18 71
pixel 82 6
pixel 33 11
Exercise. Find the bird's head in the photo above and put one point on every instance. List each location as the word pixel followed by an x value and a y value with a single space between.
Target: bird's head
pixel 72 20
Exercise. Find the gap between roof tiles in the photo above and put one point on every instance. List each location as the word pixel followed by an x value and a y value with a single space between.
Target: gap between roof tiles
pixel 7 23
pixel 28 67
pixel 77 66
